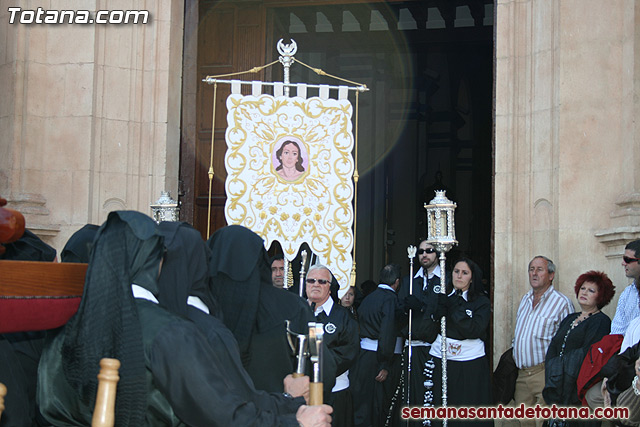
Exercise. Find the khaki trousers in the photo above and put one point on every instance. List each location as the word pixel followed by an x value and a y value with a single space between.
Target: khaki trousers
pixel 594 397
pixel 529 387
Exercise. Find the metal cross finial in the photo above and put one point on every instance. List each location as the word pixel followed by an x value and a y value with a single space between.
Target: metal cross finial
pixel 287 51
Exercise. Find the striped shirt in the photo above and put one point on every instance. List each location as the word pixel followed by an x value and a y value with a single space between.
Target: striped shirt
pixel 628 309
pixel 535 327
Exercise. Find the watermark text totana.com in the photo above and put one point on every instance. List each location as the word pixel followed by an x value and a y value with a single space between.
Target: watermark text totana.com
pixel 18 15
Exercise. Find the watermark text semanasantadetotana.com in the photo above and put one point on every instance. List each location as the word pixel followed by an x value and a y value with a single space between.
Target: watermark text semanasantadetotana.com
pixel 509 412
pixel 17 15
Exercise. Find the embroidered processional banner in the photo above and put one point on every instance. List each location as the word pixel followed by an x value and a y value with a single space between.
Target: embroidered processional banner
pixel 289 174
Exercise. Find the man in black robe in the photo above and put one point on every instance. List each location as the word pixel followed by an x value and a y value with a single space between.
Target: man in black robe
pixel 375 375
pixel 253 309
pixel 421 302
pixel 341 340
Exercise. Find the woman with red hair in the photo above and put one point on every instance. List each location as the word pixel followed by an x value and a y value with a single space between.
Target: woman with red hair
pixel 576 333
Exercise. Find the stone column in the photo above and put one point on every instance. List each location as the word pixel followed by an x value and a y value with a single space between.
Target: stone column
pixel 92 123
pixel 565 144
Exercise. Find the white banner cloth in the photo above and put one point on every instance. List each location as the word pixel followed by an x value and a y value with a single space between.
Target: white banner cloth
pixel 289 175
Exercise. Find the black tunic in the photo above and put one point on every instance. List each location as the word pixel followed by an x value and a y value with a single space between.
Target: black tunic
pixel 252 308
pixel 270 356
pixel 178 383
pixel 341 338
pixel 422 329
pixel 342 343
pixel 200 372
pixel 372 400
pixel 580 338
pixel 468 382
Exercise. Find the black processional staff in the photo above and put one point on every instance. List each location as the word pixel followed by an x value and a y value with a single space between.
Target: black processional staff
pixel 411 251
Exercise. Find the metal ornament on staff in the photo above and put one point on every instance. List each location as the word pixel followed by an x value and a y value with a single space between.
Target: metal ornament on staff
pixel 299 344
pixel 303 262
pixel 441 234
pixel 316 336
pixel 285 273
pixel 411 252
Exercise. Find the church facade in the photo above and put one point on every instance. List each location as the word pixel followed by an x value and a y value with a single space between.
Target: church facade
pixel 97 118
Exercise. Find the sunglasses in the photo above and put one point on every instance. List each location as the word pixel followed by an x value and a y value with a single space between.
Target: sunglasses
pixel 629 260
pixel 428 250
pixel 321 281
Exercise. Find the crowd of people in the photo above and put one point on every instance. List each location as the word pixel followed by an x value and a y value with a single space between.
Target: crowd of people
pixel 200 328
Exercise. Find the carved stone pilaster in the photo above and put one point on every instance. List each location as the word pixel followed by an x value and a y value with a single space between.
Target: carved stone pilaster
pixel 626 225
pixel 36 214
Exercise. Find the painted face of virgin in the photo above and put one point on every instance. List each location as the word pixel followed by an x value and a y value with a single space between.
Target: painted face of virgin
pixel 289 156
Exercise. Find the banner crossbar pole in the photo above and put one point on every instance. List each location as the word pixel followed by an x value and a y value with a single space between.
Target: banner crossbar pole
pixel 210 80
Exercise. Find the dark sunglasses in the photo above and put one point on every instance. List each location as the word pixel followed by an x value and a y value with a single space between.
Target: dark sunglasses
pixel 629 260
pixel 321 281
pixel 428 250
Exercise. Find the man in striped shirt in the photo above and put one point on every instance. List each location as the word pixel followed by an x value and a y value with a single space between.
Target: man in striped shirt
pixel 540 312
pixel 629 302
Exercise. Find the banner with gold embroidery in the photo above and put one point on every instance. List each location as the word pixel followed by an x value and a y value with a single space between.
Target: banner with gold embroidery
pixel 289 174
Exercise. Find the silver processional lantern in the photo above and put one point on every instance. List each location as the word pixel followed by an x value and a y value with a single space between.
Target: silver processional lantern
pixel 165 208
pixel 441 234
pixel 441 229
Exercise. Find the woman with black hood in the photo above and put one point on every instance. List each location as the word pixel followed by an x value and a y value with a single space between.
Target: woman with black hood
pixel 168 373
pixel 78 247
pixel 183 289
pixel 253 309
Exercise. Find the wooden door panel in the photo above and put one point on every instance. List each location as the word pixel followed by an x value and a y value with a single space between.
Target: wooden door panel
pixel 230 39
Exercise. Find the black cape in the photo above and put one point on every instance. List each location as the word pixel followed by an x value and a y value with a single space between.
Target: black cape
pixel 252 308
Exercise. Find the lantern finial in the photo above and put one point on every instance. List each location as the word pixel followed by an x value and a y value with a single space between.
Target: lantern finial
pixel 441 231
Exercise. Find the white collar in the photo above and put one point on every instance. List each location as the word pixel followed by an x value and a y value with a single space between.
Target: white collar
pixel 465 294
pixel 142 293
pixel 435 272
pixel 326 307
pixel 196 302
pixel 383 286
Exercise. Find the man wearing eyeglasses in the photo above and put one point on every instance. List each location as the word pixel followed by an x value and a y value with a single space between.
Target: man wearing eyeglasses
pixel 341 340
pixel 629 302
pixel 422 303
pixel 627 313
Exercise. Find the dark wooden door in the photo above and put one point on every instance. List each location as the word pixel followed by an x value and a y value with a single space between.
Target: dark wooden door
pixel 229 38
pixel 428 114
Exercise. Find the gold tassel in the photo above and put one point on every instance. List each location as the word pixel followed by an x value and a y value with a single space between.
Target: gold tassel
pixel 289 276
pixel 352 282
